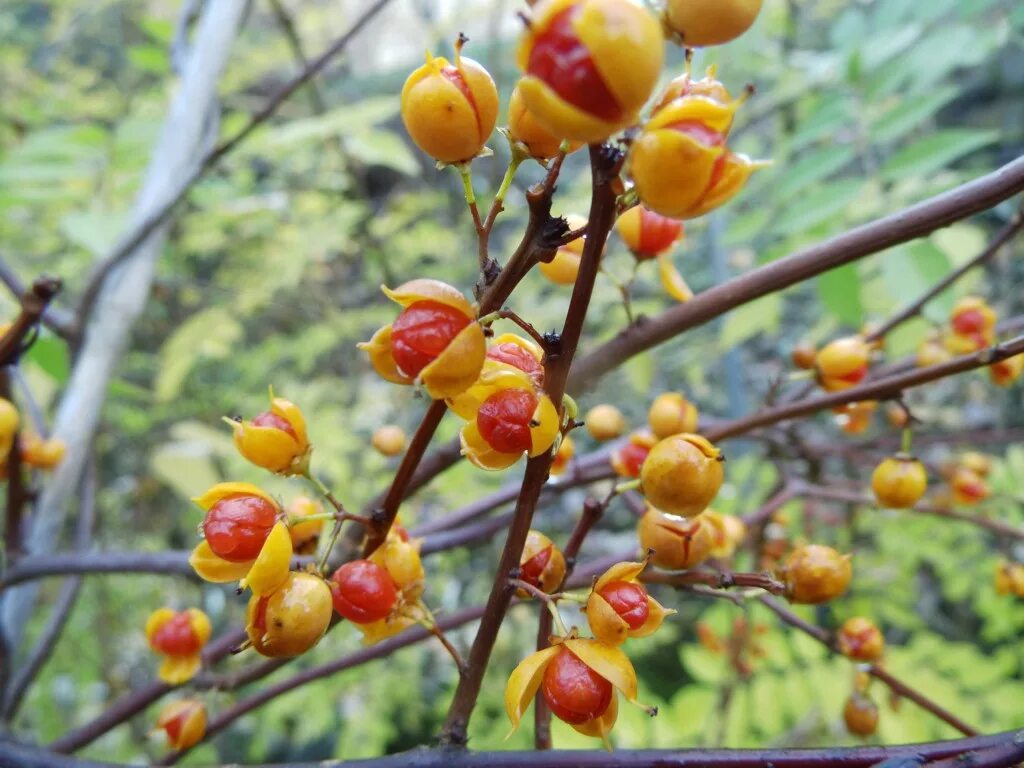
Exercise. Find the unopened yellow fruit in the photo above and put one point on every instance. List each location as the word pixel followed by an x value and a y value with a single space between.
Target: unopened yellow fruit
pixel 389 440
pixel 605 422
pixel 710 22
pixel 682 474
pixel 899 481
pixel 292 619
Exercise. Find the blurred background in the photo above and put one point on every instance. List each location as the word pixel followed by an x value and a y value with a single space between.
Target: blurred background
pixel 271 274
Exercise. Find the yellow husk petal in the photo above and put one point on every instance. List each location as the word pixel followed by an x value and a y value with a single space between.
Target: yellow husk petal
pixel 716 115
pixel 200 623
pixel 656 614
pixel 458 366
pixel 376 631
pixel 735 173
pixel 605 623
pixel 607 661
pixel 291 413
pixel 427 289
pixel 520 341
pixel 193 729
pixel 271 567
pixel 479 451
pixel 211 568
pixel 625 571
pixel 673 282
pixel 157 619
pixel 175 670
pixel 524 681
pixel 223 490
pixel 401 559
pixel 379 350
pixel 493 378
pixel 601 727
pixel 561 117
pixel 267 447
pixel 672 170
pixel 627 48
pixel 548 424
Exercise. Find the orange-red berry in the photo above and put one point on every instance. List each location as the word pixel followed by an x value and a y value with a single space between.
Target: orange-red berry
pixel 236 527
pixel 575 692
pixel 363 591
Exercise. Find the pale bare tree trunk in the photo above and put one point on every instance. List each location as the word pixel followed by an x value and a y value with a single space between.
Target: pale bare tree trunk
pixel 187 134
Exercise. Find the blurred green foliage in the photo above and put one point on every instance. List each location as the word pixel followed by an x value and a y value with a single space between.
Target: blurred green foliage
pixel 271 276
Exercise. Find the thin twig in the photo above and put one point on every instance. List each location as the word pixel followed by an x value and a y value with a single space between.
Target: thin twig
pixel 716 580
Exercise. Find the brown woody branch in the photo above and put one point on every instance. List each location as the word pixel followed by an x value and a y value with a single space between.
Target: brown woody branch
pixel 852 497
pixel 875 670
pixel 604 164
pixel 716 580
pixel 899 227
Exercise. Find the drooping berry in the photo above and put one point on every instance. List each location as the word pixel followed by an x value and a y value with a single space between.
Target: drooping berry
pixel 422 332
pixel 899 481
pixel 363 591
pixel 860 715
pixel 842 363
pixel 574 692
pixel 236 527
pixel 861 640
pixel 628 600
pixel 646 233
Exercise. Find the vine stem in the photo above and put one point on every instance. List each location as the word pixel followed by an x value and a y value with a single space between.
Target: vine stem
pixel 604 164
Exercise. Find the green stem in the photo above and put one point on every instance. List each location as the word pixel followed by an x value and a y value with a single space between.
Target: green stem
pixel 467 184
pixel 293 520
pixel 908 435
pixel 506 182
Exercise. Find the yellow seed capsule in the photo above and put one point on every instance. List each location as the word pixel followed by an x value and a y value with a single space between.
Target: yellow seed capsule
pixel 977 462
pixel 565 265
pixel 538 142
pixel 815 574
pixel 541 564
pixel 292 619
pixel 305 536
pixel 589 65
pixel 184 722
pixel 619 607
pixel 842 363
pixel 803 355
pixel 42 454
pixel 860 715
pixel 1006 372
pixel 389 440
pixel 675 542
pixel 727 532
pixel 899 481
pixel 605 422
pixel 682 474
pixel 968 487
pixel 671 413
pixel 276 439
pixel 861 640
pixel 697 23
pixel 450 109
pixel 931 351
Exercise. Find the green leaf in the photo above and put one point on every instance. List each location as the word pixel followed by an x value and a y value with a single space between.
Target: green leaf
pixel 936 151
pixel 828 202
pixel 210 334
pixel 51 355
pixel 761 316
pixel 840 293
pixel 908 114
pixel 811 167
pixel 379 147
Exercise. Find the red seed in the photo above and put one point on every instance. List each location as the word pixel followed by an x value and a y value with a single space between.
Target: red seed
pixel 363 592
pixel 657 233
pixel 175 637
pixel 237 526
pixel 531 570
pixel 422 332
pixel 632 457
pixel 504 420
pixel 969 322
pixel 560 59
pixel 575 692
pixel 629 600
pixel 518 357
pixel 269 419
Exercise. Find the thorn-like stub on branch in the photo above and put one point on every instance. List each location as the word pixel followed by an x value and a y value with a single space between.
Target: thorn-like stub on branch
pixel 47 286
pixel 379 517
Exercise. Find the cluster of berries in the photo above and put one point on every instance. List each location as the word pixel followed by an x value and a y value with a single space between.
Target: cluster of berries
pixel 249 537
